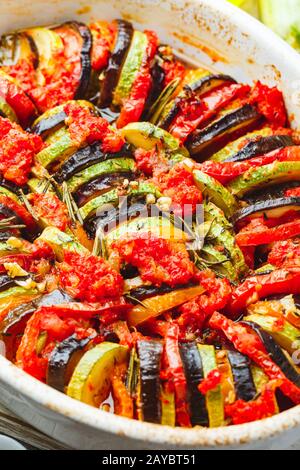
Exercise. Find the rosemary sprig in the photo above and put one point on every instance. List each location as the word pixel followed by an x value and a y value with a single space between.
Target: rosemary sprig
pixel 72 207
pixel 134 299
pixel 6 224
pixel 27 204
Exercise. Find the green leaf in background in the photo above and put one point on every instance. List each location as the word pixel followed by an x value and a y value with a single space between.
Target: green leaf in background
pixel 283 16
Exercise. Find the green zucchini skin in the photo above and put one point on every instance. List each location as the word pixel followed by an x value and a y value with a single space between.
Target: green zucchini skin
pixel 261 146
pixel 203 143
pixel 84 158
pixel 193 369
pixel 276 353
pixel 150 353
pixel 243 381
pixel 60 359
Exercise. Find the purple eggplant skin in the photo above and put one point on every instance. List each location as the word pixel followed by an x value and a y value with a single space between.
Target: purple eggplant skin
pixel 150 354
pixel 13 187
pixel 275 352
pixel 100 185
pixel 193 369
pixel 271 192
pixel 243 380
pixel 116 61
pixel 261 146
pixel 146 292
pixel 266 207
pixel 85 58
pixel 109 219
pixel 24 311
pixel 6 281
pixel 63 360
pixel 203 143
pixel 49 124
pixel 86 157
pixel 199 88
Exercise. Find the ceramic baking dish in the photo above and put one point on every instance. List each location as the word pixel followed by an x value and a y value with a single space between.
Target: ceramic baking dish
pixel 225 39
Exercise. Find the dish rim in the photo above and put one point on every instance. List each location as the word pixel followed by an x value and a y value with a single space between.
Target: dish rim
pixel 60 403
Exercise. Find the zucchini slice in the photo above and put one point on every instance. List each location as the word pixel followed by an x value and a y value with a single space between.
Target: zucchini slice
pixel 130 67
pixel 48 44
pixel 60 241
pixel 158 226
pixel 60 146
pixel 17 47
pixel 243 380
pixel 116 165
pixel 91 379
pixel 267 175
pixel 194 373
pixel 150 353
pixel 287 337
pixel 214 398
pixel 216 192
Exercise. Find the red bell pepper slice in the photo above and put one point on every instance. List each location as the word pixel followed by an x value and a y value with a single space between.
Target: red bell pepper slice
pixel 188 120
pixel 263 407
pixel 90 310
pixel 134 105
pixel 18 100
pixel 46 320
pixel 281 281
pixel 248 343
pixel 263 235
pixel 224 172
pixel 176 375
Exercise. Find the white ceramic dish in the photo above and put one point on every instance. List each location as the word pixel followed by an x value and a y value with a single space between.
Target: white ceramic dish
pixel 226 39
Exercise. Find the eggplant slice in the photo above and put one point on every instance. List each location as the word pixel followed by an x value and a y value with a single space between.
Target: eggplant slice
pixel 210 83
pixel 150 353
pixel 99 186
pixel 243 380
pixel 204 142
pixel 273 208
pixel 85 56
pixel 193 368
pixel 23 312
pixel 49 124
pixel 261 146
pixel 84 158
pixel 199 88
pixel 63 360
pixel 271 192
pixel 6 281
pixel 276 353
pixel 124 37
pixel 110 219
